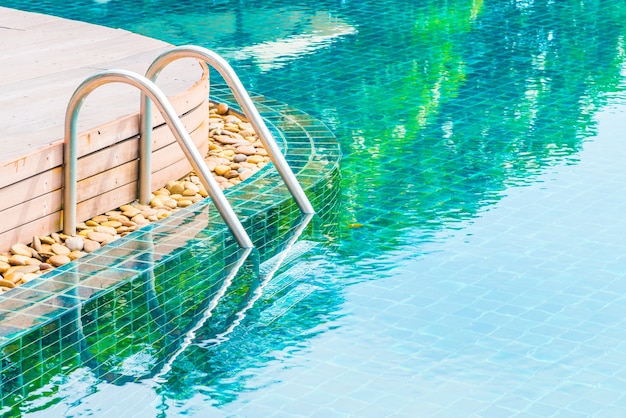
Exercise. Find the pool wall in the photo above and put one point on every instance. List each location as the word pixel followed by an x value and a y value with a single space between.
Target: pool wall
pixel 137 297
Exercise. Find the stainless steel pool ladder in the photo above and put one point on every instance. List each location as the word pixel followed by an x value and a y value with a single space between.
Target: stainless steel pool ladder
pixel 150 92
pixel 243 99
pixel 149 89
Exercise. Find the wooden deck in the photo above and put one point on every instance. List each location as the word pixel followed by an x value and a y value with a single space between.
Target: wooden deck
pixel 42 61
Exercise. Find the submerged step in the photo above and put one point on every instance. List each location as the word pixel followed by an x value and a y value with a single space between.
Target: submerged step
pixel 286 256
pixel 283 291
pixel 282 305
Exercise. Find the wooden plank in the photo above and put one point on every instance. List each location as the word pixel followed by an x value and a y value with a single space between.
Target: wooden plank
pixel 100 125
pixel 25 233
pixel 37 81
pixel 99 138
pixel 91 188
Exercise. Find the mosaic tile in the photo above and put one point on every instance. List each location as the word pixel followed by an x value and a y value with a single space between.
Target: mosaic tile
pixel 482 157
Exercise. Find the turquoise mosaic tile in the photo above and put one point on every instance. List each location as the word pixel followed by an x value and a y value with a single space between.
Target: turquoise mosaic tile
pixel 475 266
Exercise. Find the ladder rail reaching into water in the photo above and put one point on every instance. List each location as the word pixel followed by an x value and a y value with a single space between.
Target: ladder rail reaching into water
pixel 244 100
pixel 148 89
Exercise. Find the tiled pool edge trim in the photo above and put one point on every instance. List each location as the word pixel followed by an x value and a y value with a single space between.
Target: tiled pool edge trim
pixel 36 320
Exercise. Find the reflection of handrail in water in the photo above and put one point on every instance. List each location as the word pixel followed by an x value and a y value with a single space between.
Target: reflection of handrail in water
pixel 258 292
pixel 242 256
pixel 156 312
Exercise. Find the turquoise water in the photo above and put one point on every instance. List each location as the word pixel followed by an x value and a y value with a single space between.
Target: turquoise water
pixel 479 266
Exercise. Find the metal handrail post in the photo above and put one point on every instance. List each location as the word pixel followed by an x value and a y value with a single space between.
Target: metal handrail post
pixel 148 88
pixel 244 100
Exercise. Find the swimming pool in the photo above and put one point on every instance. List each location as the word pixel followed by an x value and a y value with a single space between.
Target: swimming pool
pixel 479 264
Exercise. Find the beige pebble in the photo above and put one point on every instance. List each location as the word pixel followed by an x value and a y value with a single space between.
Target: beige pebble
pixel 82 225
pixel 255 159
pixel 28 277
pixel 177 188
pixel 46 254
pixel 36 243
pixel 98 236
pixel 131 213
pixel 227 154
pixel 4 266
pixel 191 186
pixel 183 203
pixel 163 214
pixel 76 254
pixel 74 243
pixel 138 219
pixel 7 283
pixel 111 224
pixel 23 269
pixel 232 119
pixel 227 139
pixel 100 218
pixel 44 266
pixel 123 229
pixel 59 260
pixel 246 132
pixel 171 203
pixel 147 211
pixel 47 240
pixel 21 249
pixel 14 277
pixel 231 174
pixel 245 175
pixel 105 230
pixel 60 249
pixel 222 109
pixel 18 260
pixel 220 170
pixel 90 246
pixel 56 237
pixel 246 150
pixel 156 202
pixel 33 252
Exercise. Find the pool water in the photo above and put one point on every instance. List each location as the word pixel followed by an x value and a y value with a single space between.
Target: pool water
pixel 479 268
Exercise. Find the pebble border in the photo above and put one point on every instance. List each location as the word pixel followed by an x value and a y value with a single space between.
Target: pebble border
pixel 235 154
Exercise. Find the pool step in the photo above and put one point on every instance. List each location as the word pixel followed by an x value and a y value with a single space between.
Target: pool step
pixel 281 292
pixel 286 256
pixel 282 305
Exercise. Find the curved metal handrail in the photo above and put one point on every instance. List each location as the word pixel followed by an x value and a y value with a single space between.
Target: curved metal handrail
pixel 244 100
pixel 148 89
